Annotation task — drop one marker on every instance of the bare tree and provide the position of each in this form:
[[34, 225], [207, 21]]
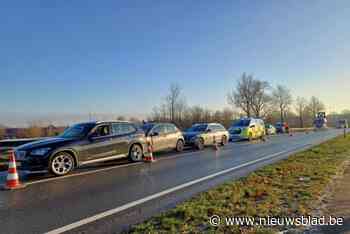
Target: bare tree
[[207, 115], [187, 119], [259, 97], [217, 116], [172, 109], [172, 100], [316, 105], [163, 112], [155, 115], [250, 95], [121, 118], [282, 98], [227, 117], [197, 114], [241, 95], [301, 109], [134, 120], [181, 107]]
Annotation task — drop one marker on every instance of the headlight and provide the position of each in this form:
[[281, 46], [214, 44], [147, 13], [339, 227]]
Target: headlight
[[40, 152]]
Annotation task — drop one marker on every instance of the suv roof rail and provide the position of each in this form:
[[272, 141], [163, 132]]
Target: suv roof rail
[[112, 121]]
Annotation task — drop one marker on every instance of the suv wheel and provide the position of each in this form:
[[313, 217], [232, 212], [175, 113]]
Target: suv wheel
[[199, 144], [136, 153], [224, 141], [250, 137], [179, 146], [61, 164]]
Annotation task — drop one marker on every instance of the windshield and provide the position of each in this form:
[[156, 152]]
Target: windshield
[[241, 123], [77, 131], [198, 128]]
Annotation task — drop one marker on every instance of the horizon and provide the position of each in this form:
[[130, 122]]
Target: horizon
[[71, 59]]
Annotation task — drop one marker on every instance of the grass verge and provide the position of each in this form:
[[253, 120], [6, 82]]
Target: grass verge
[[289, 188]]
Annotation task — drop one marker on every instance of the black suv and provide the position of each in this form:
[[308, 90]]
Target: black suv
[[82, 144]]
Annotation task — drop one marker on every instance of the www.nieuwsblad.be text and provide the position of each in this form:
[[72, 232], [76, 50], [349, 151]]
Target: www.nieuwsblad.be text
[[216, 221]]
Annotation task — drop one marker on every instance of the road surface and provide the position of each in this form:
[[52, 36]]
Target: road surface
[[109, 197]]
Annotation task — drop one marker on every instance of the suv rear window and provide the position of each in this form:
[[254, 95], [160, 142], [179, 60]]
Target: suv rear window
[[171, 128], [220, 127], [123, 128], [160, 129]]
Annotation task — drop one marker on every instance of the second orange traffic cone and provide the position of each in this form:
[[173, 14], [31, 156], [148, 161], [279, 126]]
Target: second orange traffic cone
[[12, 180], [149, 157]]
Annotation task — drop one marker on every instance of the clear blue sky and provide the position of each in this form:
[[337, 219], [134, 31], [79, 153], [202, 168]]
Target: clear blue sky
[[121, 56]]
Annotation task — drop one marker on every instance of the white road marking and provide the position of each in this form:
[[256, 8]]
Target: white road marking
[[162, 193]]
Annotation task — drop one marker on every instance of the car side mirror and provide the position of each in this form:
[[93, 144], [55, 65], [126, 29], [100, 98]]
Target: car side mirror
[[208, 130], [253, 126], [154, 134]]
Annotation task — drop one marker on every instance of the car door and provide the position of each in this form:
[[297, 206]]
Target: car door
[[171, 136], [253, 128], [222, 132], [122, 135], [210, 134], [218, 133], [158, 137], [262, 128], [99, 145]]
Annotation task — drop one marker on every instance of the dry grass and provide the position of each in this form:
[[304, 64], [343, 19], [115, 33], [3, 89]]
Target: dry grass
[[288, 188]]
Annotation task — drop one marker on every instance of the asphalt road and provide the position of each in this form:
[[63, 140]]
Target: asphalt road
[[107, 198]]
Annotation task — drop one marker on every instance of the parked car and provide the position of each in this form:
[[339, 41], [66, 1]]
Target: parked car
[[11, 143], [270, 129], [8, 145], [247, 129], [203, 134], [164, 136], [282, 127], [82, 144], [342, 123]]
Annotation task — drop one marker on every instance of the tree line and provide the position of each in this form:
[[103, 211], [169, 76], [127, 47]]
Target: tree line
[[250, 97]]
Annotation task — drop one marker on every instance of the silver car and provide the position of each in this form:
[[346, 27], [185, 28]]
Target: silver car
[[200, 135], [164, 136]]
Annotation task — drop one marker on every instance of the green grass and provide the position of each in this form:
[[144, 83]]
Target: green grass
[[289, 188]]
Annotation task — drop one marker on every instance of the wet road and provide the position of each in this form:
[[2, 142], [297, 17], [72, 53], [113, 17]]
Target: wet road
[[109, 197]]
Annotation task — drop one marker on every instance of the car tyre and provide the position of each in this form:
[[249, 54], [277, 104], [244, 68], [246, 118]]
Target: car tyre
[[199, 144], [250, 137], [136, 153], [180, 146], [61, 164], [224, 141]]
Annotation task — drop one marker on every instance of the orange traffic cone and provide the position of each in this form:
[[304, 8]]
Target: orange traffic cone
[[149, 157], [12, 181]]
